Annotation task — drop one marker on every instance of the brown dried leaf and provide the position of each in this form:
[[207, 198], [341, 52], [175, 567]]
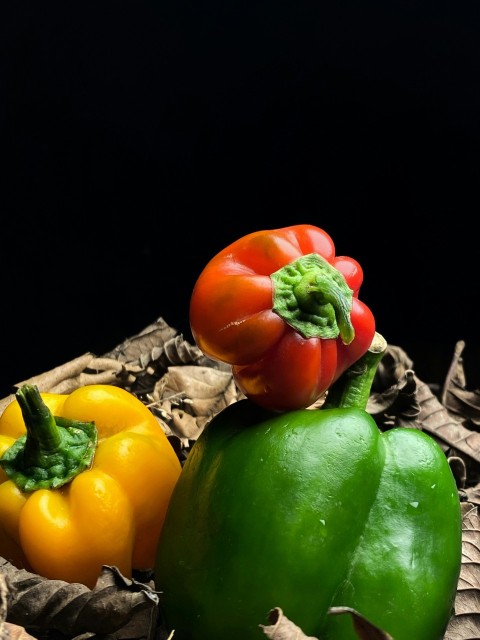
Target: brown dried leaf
[[469, 575], [86, 369], [448, 430], [281, 628], [186, 426], [472, 495], [3, 608], [465, 404], [456, 372], [9, 631], [3, 598], [196, 382], [466, 618], [363, 627], [397, 405], [392, 368], [156, 348], [179, 351], [15, 632], [463, 628], [145, 346], [459, 470], [456, 397], [115, 604], [188, 396]]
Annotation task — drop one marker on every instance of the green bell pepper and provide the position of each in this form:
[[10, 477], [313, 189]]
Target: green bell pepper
[[306, 510]]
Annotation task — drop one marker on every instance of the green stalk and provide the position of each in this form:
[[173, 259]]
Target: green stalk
[[314, 298], [53, 451], [353, 387]]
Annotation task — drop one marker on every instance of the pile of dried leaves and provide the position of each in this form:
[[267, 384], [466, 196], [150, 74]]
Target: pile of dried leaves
[[184, 390]]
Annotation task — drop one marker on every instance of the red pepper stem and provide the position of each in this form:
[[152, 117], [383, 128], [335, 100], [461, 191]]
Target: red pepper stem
[[53, 451], [314, 298], [353, 387], [316, 290]]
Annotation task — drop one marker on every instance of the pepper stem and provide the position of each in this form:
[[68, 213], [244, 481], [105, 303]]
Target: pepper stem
[[353, 387], [42, 431], [314, 298], [53, 451]]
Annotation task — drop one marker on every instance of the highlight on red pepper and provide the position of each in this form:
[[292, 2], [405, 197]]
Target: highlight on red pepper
[[283, 310]]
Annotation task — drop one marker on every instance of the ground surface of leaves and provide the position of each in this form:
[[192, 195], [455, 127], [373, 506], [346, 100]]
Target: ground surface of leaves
[[184, 390]]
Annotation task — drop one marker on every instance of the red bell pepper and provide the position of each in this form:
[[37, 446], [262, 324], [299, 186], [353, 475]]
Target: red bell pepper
[[283, 310]]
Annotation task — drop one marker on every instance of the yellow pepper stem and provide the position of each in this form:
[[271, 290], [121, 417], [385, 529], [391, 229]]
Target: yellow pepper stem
[[53, 451]]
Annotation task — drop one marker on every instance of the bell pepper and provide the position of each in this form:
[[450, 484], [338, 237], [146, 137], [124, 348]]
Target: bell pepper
[[283, 310], [85, 480], [307, 510]]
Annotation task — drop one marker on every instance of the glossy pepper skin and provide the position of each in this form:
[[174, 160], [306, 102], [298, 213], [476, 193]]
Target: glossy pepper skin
[[307, 510], [283, 310], [64, 515]]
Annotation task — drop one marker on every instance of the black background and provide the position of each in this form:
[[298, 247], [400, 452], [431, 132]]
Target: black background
[[139, 138]]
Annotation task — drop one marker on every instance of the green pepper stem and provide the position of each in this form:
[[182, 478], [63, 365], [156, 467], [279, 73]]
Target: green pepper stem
[[353, 387], [53, 451]]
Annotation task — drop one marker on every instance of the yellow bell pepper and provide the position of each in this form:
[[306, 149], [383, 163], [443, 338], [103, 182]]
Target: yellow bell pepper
[[85, 481]]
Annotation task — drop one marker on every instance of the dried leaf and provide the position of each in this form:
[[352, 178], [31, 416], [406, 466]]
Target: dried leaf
[[463, 628], [196, 382], [186, 426], [449, 431], [145, 346], [472, 495], [3, 607], [157, 347], [179, 351], [15, 632], [456, 372], [392, 368], [87, 369], [184, 389], [51, 379], [397, 405], [459, 470], [363, 627], [466, 618], [281, 628], [465, 404], [72, 609], [188, 396], [9, 631], [469, 575], [456, 397]]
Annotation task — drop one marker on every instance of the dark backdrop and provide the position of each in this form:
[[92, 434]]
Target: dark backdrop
[[138, 138]]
